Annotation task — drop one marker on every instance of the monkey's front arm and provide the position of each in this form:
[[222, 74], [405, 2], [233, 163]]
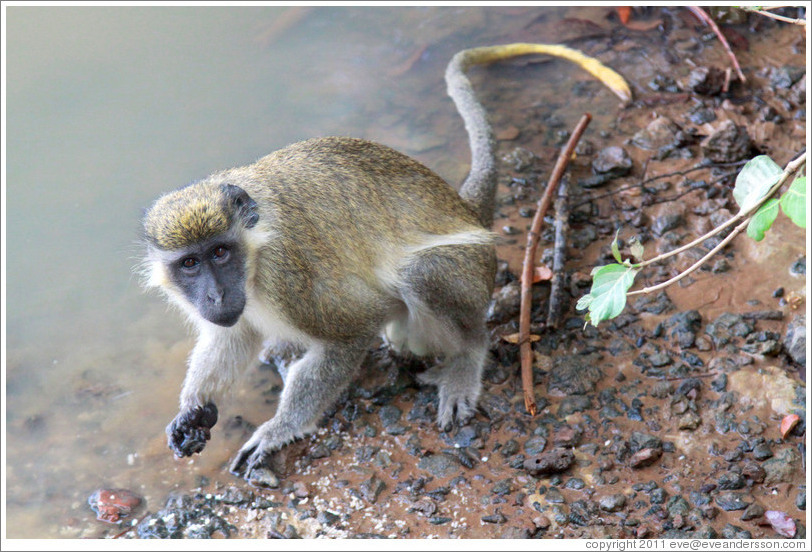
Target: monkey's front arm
[[313, 383], [218, 356]]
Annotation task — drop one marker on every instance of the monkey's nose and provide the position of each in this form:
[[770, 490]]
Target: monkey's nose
[[215, 296]]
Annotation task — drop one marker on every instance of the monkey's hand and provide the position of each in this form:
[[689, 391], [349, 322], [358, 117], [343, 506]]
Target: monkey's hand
[[189, 431]]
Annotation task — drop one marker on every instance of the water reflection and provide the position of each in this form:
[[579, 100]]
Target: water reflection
[[108, 107]]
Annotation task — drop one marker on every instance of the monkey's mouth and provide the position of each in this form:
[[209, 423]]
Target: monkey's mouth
[[225, 317]]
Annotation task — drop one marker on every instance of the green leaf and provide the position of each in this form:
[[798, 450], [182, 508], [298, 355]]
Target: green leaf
[[616, 249], [607, 298], [763, 219], [793, 202], [755, 180], [636, 249]]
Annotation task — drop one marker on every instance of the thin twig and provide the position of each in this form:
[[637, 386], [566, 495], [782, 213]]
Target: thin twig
[[694, 266], [762, 11], [705, 18], [562, 214], [529, 262], [658, 177]]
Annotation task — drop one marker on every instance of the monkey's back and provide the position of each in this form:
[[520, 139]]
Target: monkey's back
[[345, 213], [337, 178]]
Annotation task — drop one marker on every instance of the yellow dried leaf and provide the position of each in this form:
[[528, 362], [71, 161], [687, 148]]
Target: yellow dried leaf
[[607, 76], [514, 338]]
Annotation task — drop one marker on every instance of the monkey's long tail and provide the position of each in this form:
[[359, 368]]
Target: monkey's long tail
[[479, 188]]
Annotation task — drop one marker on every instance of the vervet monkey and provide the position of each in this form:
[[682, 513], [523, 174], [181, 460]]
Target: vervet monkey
[[325, 245]]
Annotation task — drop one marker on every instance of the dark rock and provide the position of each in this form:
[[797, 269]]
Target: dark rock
[[659, 133], [498, 517], [583, 237], [786, 76], [566, 436], [699, 498], [701, 115], [520, 159], [753, 472], [552, 462], [719, 384], [535, 445], [704, 80], [465, 436], [753, 511], [657, 304], [510, 448], [503, 487], [263, 477], [465, 457], [439, 465], [731, 481], [327, 518], [372, 488], [729, 501], [571, 405], [575, 484], [706, 532], [798, 268], [780, 468], [762, 451], [614, 161], [515, 533], [658, 496], [554, 496], [439, 520], [425, 507], [390, 415], [365, 453], [574, 374], [640, 440], [595, 181], [731, 531], [612, 503], [677, 506], [795, 339], [645, 457], [319, 451], [726, 327], [800, 499], [727, 143]]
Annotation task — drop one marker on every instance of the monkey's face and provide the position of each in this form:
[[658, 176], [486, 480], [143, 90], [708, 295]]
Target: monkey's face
[[211, 275]]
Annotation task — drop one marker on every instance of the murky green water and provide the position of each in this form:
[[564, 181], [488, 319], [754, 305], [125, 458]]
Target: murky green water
[[107, 108]]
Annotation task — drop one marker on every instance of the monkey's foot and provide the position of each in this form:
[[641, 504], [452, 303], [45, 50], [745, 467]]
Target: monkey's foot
[[189, 431], [254, 461], [458, 397]]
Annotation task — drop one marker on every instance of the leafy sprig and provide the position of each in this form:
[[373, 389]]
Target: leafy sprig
[[759, 180]]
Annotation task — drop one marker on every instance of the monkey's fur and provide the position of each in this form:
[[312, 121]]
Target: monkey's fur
[[325, 245]]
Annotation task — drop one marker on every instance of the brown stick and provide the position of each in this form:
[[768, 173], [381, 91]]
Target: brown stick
[[529, 262], [705, 18]]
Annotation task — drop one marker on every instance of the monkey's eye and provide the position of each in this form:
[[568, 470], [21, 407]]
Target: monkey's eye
[[220, 253], [189, 262]]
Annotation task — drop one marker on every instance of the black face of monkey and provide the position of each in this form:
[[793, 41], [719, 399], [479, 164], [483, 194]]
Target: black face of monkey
[[212, 277]]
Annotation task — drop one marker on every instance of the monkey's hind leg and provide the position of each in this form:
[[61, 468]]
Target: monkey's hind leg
[[447, 293], [313, 383]]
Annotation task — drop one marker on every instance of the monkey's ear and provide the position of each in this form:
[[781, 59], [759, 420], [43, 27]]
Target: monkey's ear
[[244, 206]]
